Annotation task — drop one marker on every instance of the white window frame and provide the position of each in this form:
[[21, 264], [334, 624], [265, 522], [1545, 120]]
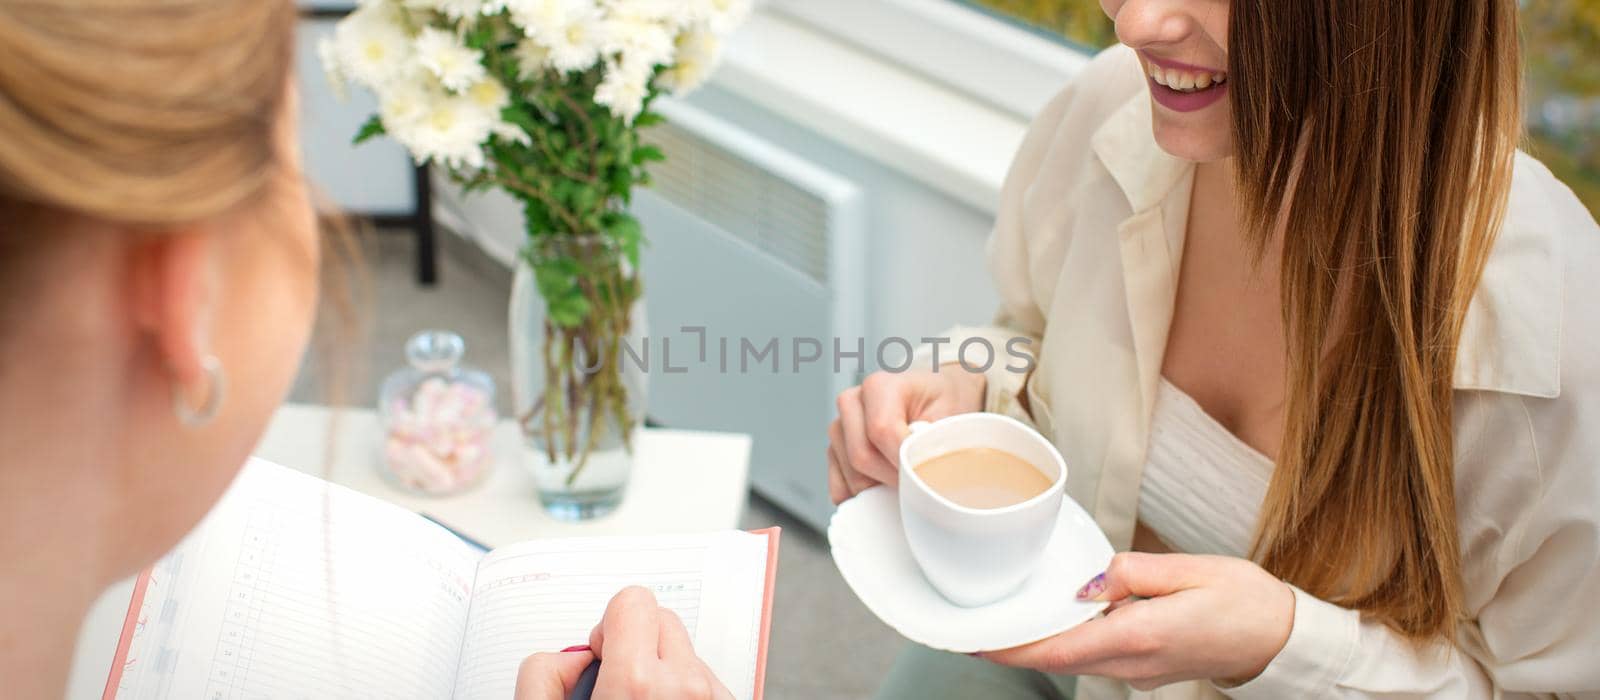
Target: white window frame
[[988, 58]]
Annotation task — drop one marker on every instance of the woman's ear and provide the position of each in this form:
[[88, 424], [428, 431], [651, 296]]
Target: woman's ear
[[172, 281]]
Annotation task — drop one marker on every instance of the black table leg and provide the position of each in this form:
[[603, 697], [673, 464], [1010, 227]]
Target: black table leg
[[427, 249]]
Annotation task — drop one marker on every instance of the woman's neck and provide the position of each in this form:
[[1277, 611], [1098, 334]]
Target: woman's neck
[[38, 633], [52, 574], [54, 512]]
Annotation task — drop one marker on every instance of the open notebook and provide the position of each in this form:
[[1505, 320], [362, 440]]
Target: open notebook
[[294, 587]]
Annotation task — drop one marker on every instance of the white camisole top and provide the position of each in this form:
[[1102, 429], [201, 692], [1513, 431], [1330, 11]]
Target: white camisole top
[[1203, 486]]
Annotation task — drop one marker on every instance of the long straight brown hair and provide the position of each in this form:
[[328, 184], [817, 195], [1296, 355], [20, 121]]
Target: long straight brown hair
[[1377, 138]]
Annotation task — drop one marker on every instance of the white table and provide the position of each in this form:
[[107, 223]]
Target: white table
[[682, 482]]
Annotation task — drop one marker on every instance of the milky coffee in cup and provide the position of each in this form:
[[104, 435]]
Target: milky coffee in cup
[[983, 477], [980, 494]]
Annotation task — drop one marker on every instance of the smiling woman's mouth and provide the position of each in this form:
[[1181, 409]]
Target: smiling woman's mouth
[[1184, 88], [1185, 80]]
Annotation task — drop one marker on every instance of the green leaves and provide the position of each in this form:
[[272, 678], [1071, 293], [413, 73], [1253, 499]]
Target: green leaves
[[481, 37], [371, 128], [557, 279], [519, 115], [574, 176], [567, 311], [625, 230], [648, 154], [581, 163]]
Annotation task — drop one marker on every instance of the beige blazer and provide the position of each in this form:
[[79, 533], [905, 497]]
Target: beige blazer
[[1085, 254]]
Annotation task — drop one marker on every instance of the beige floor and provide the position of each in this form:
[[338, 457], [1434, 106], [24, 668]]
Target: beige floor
[[824, 643]]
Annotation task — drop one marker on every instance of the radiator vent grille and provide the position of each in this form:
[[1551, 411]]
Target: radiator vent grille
[[770, 213]]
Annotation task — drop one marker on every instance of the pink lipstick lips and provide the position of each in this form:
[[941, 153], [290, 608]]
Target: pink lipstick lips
[[1182, 87]]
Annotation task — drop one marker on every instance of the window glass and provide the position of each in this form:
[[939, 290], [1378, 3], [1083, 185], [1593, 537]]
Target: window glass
[[1561, 40], [1562, 45], [1080, 22]]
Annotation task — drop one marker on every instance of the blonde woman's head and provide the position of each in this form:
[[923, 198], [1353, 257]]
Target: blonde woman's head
[[158, 255]]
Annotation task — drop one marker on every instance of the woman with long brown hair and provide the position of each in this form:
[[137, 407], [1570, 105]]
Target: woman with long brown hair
[[1318, 345], [158, 275]]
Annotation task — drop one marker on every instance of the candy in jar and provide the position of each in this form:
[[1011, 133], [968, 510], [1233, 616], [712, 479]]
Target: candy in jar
[[438, 416]]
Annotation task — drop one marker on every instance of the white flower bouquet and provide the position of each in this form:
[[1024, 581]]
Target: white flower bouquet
[[543, 99]]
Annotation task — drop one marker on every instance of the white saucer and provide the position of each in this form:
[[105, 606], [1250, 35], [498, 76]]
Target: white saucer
[[869, 547]]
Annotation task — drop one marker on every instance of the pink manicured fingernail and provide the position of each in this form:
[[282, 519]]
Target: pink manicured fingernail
[[1093, 588], [580, 647]]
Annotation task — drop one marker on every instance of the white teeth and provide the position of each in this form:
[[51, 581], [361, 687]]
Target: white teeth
[[1183, 80]]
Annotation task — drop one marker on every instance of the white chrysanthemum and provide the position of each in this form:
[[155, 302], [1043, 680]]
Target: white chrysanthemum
[[452, 131], [333, 67], [698, 51], [443, 54], [572, 30], [639, 39], [454, 9], [624, 88], [403, 103], [489, 94], [724, 15], [672, 14], [533, 59], [540, 17], [576, 46], [372, 44], [513, 133]]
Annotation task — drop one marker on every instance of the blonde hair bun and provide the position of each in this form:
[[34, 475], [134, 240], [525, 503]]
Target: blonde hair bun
[[146, 112]]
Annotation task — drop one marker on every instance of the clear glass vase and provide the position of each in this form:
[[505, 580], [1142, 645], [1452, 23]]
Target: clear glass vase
[[577, 324]]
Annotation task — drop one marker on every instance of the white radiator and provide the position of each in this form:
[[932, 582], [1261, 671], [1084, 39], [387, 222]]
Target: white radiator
[[753, 243]]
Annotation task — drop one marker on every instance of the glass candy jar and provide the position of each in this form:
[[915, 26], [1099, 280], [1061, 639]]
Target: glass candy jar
[[437, 417]]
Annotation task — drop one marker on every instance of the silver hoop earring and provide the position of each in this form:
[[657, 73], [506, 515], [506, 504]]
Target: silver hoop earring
[[193, 417]]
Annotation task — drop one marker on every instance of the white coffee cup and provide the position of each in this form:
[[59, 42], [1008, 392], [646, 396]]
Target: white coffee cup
[[976, 556]]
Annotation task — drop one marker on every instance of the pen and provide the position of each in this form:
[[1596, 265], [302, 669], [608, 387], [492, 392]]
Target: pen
[[584, 688], [455, 532]]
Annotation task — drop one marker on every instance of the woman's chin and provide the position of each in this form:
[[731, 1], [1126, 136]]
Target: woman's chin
[[1198, 140]]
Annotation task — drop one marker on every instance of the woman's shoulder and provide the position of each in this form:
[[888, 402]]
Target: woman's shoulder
[[1527, 429], [1539, 198], [1558, 242], [1531, 329]]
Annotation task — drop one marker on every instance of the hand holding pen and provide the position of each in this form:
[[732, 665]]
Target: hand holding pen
[[647, 654]]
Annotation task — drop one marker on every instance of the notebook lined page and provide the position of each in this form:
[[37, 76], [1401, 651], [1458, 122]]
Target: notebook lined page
[[294, 588], [545, 596]]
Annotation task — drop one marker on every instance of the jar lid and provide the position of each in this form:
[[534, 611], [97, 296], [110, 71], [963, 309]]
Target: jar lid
[[435, 350]]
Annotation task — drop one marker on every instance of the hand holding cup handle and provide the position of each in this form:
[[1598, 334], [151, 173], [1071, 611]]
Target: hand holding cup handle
[[864, 441]]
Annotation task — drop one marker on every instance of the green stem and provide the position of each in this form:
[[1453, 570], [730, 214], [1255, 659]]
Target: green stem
[[593, 141], [551, 396], [565, 383], [550, 152], [510, 182], [569, 434]]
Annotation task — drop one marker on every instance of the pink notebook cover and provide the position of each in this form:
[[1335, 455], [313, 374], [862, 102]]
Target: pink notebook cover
[[772, 534], [131, 621]]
